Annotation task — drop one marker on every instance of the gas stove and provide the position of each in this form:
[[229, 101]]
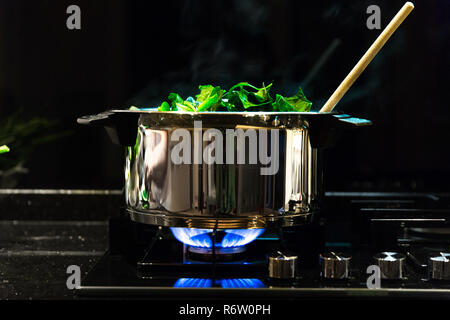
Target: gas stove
[[361, 245]]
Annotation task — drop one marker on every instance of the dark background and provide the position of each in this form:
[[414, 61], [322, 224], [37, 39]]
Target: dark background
[[136, 52]]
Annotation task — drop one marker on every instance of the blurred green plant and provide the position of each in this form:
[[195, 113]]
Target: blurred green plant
[[4, 149], [24, 135]]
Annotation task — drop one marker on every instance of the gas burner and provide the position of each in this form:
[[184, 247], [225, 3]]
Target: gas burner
[[216, 254], [226, 238], [219, 245]]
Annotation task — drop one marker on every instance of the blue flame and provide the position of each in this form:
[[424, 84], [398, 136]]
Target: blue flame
[[193, 283], [202, 237], [242, 283], [224, 283], [193, 237], [240, 237]]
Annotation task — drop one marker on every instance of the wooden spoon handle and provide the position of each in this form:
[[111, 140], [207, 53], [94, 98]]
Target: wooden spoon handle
[[367, 57]]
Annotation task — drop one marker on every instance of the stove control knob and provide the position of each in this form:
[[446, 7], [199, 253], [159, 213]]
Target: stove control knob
[[439, 266], [334, 265], [392, 265], [282, 265]]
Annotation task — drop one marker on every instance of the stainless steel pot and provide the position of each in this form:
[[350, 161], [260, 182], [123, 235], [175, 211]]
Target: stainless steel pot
[[235, 193]]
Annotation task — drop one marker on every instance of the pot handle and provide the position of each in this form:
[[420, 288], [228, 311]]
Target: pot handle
[[97, 119], [348, 120], [121, 128], [324, 133]]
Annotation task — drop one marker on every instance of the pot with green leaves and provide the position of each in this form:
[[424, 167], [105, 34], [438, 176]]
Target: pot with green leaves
[[234, 159]]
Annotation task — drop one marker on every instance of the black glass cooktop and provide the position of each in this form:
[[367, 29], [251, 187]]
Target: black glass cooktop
[[154, 264]]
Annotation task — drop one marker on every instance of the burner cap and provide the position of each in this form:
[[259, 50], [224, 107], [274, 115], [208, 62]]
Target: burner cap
[[220, 254]]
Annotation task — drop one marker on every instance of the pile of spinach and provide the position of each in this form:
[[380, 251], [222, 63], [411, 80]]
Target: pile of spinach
[[240, 97]]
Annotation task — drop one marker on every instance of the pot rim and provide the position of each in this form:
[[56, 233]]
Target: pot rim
[[256, 221], [257, 119]]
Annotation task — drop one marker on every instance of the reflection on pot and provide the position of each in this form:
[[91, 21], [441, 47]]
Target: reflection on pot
[[156, 185]]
